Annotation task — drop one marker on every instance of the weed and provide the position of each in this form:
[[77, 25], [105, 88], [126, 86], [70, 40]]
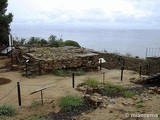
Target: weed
[[7, 110], [110, 88], [92, 82], [140, 104], [70, 102], [38, 117], [60, 73], [128, 94], [35, 103]]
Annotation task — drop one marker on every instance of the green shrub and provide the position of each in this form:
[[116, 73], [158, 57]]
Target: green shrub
[[70, 102], [140, 104], [128, 94], [7, 110], [60, 73], [35, 103], [38, 117], [71, 43], [110, 88], [92, 82]]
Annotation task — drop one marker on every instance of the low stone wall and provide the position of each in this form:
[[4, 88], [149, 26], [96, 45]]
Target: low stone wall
[[114, 61]]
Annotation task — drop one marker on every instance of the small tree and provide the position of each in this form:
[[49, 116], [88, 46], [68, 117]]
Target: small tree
[[71, 43], [5, 21]]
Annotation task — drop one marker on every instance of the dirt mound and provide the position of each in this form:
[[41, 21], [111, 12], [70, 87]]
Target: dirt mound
[[4, 81]]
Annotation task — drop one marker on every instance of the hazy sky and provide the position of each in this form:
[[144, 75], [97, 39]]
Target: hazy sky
[[86, 13]]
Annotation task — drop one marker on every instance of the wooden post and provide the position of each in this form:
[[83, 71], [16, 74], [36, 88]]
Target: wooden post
[[140, 71], [26, 66], [73, 79], [42, 97], [19, 93], [103, 77], [100, 65], [39, 66], [122, 68]]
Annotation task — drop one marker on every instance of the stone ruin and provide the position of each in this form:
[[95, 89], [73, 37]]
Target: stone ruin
[[46, 59]]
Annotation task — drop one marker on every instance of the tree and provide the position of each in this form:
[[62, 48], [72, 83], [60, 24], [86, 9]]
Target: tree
[[71, 43], [5, 21], [54, 42]]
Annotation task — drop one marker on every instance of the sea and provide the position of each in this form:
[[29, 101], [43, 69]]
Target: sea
[[121, 41]]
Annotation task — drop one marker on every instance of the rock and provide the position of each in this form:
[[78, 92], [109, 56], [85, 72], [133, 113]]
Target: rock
[[111, 108], [87, 95], [82, 118], [102, 105], [158, 91], [97, 94], [112, 101], [150, 91], [153, 88], [145, 99], [81, 89], [128, 102]]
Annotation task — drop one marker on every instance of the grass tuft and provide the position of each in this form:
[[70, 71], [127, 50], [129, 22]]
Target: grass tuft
[[70, 102], [128, 94], [7, 110], [92, 82], [35, 103]]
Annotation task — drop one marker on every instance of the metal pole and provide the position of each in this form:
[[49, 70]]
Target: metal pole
[[42, 97], [73, 79], [19, 93], [122, 68], [100, 65]]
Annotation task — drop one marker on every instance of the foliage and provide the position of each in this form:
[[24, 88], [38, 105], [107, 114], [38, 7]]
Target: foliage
[[5, 21], [71, 43], [70, 102], [38, 117], [110, 88], [64, 73], [140, 104], [128, 94], [37, 40], [92, 82], [7, 110], [54, 42], [60, 73], [35, 103]]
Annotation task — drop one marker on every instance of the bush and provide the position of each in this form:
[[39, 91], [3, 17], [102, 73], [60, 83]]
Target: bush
[[39, 117], [70, 102], [110, 88], [7, 110], [128, 94], [140, 104], [71, 43], [92, 82], [60, 73]]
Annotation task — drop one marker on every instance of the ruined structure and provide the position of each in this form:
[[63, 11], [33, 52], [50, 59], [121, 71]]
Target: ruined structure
[[44, 59]]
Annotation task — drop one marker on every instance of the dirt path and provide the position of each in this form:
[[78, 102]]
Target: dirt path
[[59, 86]]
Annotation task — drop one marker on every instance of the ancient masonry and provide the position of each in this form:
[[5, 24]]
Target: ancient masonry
[[49, 58]]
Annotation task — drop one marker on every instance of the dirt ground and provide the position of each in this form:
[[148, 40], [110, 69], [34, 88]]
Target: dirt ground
[[61, 86]]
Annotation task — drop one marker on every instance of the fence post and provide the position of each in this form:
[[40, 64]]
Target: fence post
[[19, 93], [42, 97], [73, 79], [140, 71], [100, 65], [26, 66], [122, 68]]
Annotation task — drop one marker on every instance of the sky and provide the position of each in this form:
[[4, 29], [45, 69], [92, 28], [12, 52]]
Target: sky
[[143, 14], [41, 17]]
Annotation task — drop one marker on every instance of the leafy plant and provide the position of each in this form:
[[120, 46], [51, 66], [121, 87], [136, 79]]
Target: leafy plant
[[71, 43], [140, 104], [38, 117], [92, 82], [35, 103], [70, 102], [7, 110], [128, 94], [110, 88], [60, 73]]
